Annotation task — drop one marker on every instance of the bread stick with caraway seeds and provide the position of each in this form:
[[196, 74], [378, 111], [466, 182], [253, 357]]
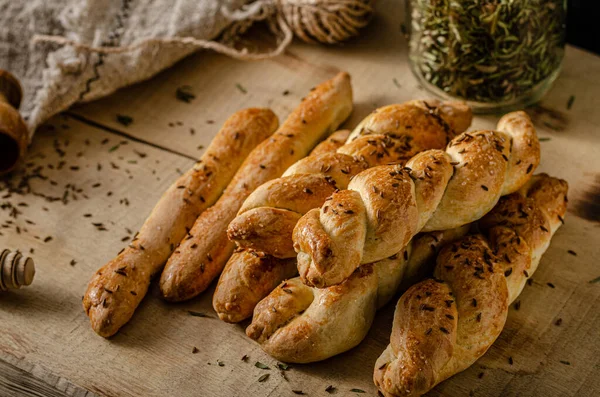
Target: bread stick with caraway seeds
[[443, 325], [391, 134], [117, 288], [250, 275], [205, 250], [385, 206]]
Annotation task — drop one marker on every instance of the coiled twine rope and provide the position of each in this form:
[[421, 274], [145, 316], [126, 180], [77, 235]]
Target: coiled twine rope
[[324, 21]]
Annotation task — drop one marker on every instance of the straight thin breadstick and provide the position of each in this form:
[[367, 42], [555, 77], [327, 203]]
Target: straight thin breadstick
[[116, 289], [385, 206], [250, 275], [202, 254], [443, 325]]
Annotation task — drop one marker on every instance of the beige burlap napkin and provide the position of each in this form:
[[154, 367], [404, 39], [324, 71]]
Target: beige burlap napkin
[[71, 51]]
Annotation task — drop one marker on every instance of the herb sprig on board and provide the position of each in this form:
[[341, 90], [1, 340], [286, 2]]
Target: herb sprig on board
[[487, 51]]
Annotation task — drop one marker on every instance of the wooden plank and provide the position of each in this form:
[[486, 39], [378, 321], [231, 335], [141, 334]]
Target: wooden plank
[[44, 331], [34, 381]]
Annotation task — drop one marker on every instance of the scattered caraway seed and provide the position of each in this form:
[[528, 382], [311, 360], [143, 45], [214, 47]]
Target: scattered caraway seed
[[198, 314], [260, 365], [330, 389], [263, 377], [195, 350], [286, 92], [73, 262], [245, 358], [396, 83], [112, 149], [357, 391], [185, 94], [572, 252], [570, 102], [241, 88], [550, 285], [544, 139], [299, 392], [220, 363], [510, 360], [124, 120], [283, 367], [596, 280], [565, 362], [558, 322]]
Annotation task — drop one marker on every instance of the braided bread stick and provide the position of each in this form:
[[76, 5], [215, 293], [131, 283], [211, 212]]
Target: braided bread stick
[[250, 275], [385, 206], [300, 324], [202, 254], [443, 325], [266, 221], [116, 289], [392, 134]]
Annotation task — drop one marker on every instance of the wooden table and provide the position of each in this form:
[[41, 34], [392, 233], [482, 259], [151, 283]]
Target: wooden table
[[105, 175]]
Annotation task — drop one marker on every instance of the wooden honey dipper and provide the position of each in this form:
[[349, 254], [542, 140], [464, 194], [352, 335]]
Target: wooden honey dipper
[[13, 130], [16, 270]]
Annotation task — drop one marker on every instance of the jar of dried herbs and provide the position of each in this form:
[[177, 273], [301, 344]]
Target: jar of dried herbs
[[498, 55]]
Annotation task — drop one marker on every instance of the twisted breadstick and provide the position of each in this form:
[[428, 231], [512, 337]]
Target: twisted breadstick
[[116, 289], [442, 326], [386, 206], [300, 324], [201, 256], [390, 134]]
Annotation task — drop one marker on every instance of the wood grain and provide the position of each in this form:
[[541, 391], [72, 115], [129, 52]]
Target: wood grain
[[45, 336]]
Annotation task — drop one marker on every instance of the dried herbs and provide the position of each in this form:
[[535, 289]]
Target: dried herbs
[[124, 120], [241, 88], [492, 51], [184, 94], [260, 365], [263, 377]]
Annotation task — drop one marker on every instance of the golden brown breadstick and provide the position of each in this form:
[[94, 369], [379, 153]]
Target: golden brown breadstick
[[391, 134], [116, 289], [385, 206], [300, 324], [203, 253], [443, 325], [265, 222], [250, 275]]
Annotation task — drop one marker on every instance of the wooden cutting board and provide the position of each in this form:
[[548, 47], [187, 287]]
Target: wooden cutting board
[[88, 172]]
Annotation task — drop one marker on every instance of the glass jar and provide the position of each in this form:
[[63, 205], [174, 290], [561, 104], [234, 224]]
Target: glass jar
[[498, 55]]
